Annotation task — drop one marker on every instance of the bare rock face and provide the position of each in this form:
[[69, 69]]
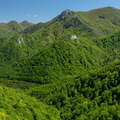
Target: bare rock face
[[72, 21], [69, 19], [67, 12]]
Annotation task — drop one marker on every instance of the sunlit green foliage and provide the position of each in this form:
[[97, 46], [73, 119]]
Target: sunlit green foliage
[[65, 69]]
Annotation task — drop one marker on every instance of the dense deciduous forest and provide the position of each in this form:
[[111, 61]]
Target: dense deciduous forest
[[64, 69]]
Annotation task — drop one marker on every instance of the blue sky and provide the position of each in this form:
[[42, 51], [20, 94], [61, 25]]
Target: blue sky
[[44, 10]]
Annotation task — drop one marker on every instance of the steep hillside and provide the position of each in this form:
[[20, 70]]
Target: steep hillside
[[103, 20], [15, 105], [66, 45], [89, 96], [64, 57], [67, 68], [111, 46]]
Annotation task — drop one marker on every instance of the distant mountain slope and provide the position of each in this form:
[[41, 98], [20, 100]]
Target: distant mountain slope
[[103, 20], [98, 22], [13, 27], [4, 29]]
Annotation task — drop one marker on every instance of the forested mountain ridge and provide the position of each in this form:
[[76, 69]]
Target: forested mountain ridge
[[99, 21], [13, 27], [68, 68]]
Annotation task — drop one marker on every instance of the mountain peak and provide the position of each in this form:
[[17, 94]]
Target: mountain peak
[[67, 12]]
